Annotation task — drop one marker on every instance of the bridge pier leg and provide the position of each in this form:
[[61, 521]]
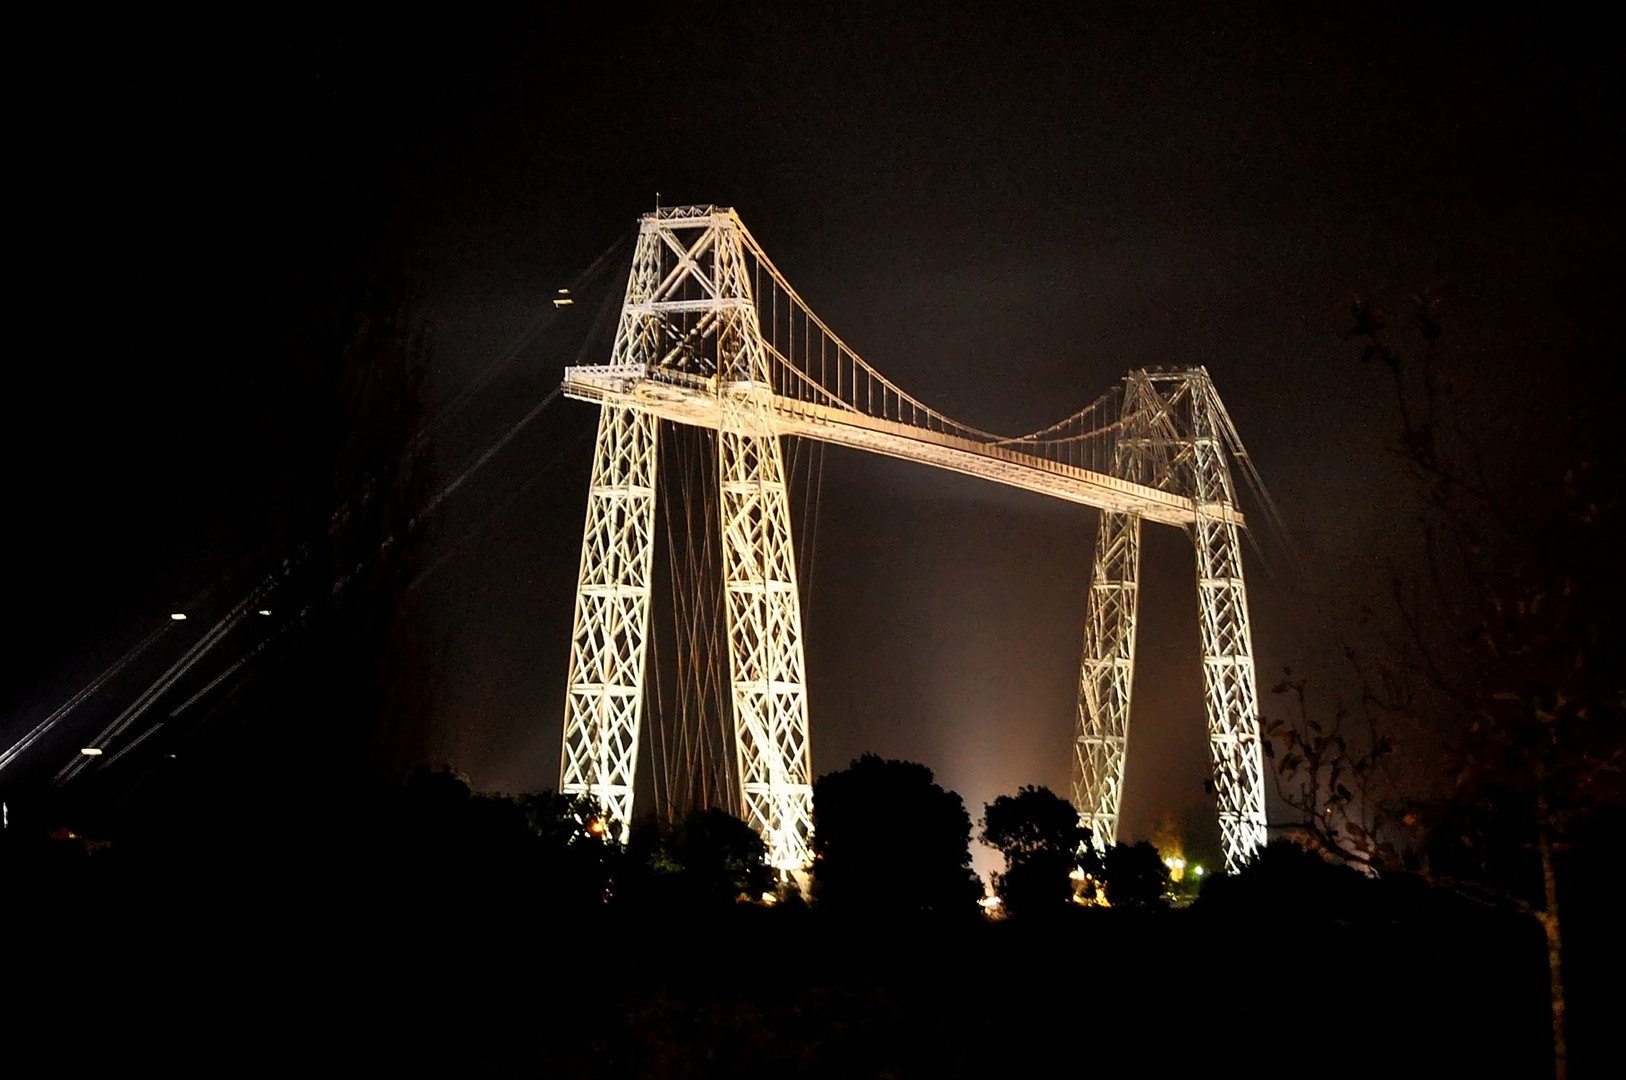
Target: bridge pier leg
[[604, 701], [765, 652], [1107, 675], [1228, 673]]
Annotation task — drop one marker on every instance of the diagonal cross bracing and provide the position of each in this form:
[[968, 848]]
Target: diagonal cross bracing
[[765, 637], [605, 700], [712, 335], [1106, 676], [1231, 693]]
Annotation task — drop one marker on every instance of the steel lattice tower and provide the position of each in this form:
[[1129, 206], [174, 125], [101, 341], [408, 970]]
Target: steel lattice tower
[[690, 317], [1172, 440], [711, 334]]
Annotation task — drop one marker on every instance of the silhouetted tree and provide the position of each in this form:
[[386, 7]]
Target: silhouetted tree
[[1289, 877], [447, 838], [708, 858], [1135, 875], [578, 855], [888, 839], [1512, 647], [1043, 842]]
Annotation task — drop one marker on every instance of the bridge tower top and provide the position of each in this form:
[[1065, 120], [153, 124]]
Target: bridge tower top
[[690, 308]]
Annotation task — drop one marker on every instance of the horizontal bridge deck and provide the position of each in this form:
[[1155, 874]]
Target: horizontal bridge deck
[[693, 400]]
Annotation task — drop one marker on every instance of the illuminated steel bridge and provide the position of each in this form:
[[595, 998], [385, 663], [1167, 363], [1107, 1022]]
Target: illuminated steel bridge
[[712, 335]]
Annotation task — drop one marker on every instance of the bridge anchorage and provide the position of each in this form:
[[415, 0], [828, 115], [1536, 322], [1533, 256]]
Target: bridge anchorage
[[711, 334]]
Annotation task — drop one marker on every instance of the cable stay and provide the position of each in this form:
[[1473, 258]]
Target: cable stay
[[713, 338], [200, 695], [491, 451], [1276, 524], [192, 656], [44, 726], [506, 356], [202, 648], [501, 361]]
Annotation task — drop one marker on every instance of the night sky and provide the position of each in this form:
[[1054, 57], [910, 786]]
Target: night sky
[[1002, 207]]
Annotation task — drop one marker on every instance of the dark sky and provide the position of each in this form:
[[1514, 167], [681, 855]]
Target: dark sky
[[1003, 207]]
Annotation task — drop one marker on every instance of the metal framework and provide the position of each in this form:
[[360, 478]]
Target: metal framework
[[689, 315], [1106, 675], [604, 704], [1174, 432], [711, 334]]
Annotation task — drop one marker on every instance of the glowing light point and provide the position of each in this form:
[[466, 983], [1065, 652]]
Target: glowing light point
[[178, 616], [563, 299], [265, 611], [1197, 870], [91, 751]]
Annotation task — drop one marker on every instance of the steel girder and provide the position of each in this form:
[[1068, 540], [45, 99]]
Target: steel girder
[[690, 322], [1231, 692], [604, 699], [1107, 676], [689, 312], [765, 649], [604, 702], [765, 652], [1171, 440]]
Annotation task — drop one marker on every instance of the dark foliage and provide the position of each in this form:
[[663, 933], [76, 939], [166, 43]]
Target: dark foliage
[[439, 835], [454, 914], [1039, 834], [1511, 653], [888, 839], [1287, 877], [710, 858], [1135, 875]]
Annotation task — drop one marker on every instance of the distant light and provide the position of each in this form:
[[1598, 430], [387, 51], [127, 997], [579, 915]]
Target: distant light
[[1197, 870], [177, 616], [563, 301], [91, 751], [265, 611], [1077, 874]]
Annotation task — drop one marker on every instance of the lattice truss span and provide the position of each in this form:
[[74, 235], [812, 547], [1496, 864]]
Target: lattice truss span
[[712, 335]]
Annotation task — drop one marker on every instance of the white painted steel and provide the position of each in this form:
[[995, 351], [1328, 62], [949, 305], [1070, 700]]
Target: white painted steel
[[1172, 438], [712, 335], [604, 703], [689, 317], [1106, 676]]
